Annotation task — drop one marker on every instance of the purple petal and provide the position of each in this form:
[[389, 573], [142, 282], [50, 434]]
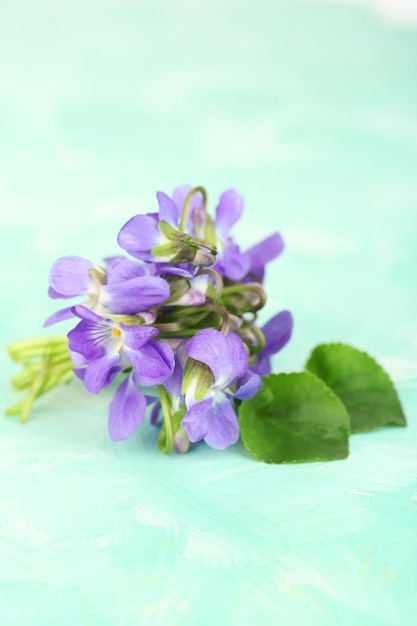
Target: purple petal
[[156, 419], [70, 276], [59, 316], [228, 211], [235, 264], [262, 367], [153, 363], [135, 337], [134, 295], [196, 420], [139, 235], [84, 313], [168, 210], [174, 383], [79, 372], [126, 410], [55, 295], [248, 386], [78, 359], [208, 346], [226, 356], [118, 268], [277, 333], [100, 373], [223, 426], [93, 339], [179, 195], [215, 422], [264, 252], [185, 269]]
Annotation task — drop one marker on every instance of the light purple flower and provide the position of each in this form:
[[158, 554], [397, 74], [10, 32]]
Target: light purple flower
[[231, 262], [161, 237], [262, 253], [277, 332], [213, 418], [101, 348], [126, 287]]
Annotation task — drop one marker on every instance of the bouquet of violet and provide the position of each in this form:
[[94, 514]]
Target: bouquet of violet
[[174, 323]]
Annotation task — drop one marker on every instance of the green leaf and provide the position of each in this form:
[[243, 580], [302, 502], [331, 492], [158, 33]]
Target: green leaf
[[293, 418], [168, 231], [165, 249], [360, 382], [177, 417]]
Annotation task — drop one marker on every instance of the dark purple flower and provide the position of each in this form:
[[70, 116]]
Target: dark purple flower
[[101, 348], [104, 347], [277, 332], [213, 417]]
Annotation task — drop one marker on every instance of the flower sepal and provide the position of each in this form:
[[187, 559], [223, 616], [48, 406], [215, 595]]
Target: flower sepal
[[197, 380]]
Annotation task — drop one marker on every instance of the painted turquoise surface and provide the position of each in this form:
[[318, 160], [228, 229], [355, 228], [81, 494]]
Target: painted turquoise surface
[[311, 111]]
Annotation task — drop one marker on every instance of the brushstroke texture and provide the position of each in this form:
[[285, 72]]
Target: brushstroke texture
[[310, 110]]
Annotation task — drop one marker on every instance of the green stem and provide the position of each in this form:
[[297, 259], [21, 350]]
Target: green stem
[[166, 436], [261, 340], [24, 379], [39, 385], [41, 342], [242, 287], [20, 380], [179, 312], [27, 349], [187, 205], [204, 244], [46, 364], [34, 390], [218, 308], [218, 281], [187, 332]]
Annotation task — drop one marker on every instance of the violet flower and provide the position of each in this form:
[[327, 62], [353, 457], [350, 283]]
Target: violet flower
[[100, 348], [221, 375], [231, 262], [188, 277], [160, 237], [125, 288]]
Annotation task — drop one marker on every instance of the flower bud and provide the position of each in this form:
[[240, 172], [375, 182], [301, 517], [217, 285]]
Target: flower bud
[[181, 441], [204, 258]]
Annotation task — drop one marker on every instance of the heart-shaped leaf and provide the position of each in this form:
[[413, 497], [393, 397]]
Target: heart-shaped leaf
[[360, 382], [293, 418]]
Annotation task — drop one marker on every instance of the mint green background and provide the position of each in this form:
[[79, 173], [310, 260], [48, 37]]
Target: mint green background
[[311, 112]]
